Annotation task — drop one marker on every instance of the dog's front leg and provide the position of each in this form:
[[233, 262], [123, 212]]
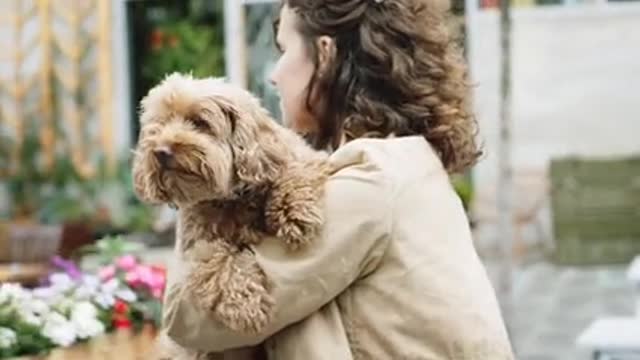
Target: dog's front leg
[[294, 206], [209, 261], [246, 304], [227, 281]]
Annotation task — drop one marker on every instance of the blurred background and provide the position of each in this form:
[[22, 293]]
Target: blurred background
[[554, 204]]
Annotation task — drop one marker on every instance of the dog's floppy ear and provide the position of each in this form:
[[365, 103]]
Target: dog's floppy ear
[[259, 155], [140, 183], [142, 170]]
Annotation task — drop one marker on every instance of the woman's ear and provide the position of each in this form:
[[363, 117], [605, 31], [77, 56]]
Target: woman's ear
[[326, 46]]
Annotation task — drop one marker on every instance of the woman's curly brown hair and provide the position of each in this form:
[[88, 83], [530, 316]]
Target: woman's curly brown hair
[[397, 71]]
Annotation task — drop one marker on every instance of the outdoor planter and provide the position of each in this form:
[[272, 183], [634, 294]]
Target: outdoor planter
[[28, 243]]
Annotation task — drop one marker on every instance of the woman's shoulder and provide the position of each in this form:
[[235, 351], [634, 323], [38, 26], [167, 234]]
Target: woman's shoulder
[[358, 184], [390, 163], [374, 171]]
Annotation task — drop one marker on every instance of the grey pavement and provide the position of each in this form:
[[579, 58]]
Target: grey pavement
[[553, 304]]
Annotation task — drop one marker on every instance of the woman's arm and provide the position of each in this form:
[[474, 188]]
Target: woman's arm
[[355, 236]]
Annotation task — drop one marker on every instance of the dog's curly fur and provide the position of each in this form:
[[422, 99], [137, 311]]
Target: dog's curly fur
[[209, 148]]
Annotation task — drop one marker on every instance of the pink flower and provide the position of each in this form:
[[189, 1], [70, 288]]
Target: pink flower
[[132, 278], [157, 293], [158, 282], [145, 274], [107, 273], [126, 262]]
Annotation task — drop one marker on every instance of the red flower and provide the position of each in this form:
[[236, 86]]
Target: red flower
[[121, 323], [156, 39], [120, 319], [120, 307]]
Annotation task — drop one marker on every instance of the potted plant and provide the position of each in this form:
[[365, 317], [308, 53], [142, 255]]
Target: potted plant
[[23, 238], [118, 210]]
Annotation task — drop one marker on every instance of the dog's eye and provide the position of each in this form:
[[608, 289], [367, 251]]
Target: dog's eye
[[198, 122]]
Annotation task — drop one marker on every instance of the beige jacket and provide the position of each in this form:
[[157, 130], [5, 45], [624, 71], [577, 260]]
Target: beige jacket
[[393, 276]]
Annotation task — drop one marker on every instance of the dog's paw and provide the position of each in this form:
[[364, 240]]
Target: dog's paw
[[246, 311], [298, 232], [294, 210], [205, 287], [208, 274], [295, 218], [232, 287], [246, 304]]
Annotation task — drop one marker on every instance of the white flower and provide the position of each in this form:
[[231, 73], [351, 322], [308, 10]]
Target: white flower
[[64, 305], [29, 317], [37, 306], [86, 327], [4, 296], [106, 294], [126, 295], [61, 282], [84, 309], [55, 318], [84, 292], [13, 292], [7, 338], [84, 318], [105, 301], [89, 287], [110, 286], [49, 295], [59, 330], [45, 292], [90, 281]]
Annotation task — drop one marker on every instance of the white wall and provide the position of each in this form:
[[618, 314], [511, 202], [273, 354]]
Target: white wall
[[576, 73]]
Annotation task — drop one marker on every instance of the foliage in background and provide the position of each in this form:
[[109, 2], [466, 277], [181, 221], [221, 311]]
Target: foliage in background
[[108, 249], [464, 188], [62, 195], [4, 154], [167, 36], [183, 46]]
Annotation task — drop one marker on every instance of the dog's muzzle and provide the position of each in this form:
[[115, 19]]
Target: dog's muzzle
[[165, 157]]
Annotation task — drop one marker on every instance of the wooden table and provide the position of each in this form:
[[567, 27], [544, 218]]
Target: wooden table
[[121, 345]]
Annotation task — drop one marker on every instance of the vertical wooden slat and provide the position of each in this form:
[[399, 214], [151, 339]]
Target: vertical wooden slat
[[105, 98], [18, 118], [60, 57], [47, 133], [73, 111]]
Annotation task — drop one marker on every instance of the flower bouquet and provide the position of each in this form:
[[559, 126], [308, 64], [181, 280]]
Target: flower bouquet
[[73, 305]]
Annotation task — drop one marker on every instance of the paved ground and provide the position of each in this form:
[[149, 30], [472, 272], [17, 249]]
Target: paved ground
[[554, 304]]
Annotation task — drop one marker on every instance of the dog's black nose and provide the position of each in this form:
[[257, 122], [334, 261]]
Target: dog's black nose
[[164, 155]]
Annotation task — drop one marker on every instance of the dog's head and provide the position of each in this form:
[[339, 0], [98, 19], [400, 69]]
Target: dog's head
[[201, 139]]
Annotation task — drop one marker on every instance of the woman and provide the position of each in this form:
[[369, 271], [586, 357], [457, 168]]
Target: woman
[[394, 275]]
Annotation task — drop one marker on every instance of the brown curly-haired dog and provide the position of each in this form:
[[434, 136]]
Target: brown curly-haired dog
[[236, 176]]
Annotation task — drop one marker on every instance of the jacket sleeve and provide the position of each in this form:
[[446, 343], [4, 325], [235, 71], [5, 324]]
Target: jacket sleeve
[[354, 237]]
